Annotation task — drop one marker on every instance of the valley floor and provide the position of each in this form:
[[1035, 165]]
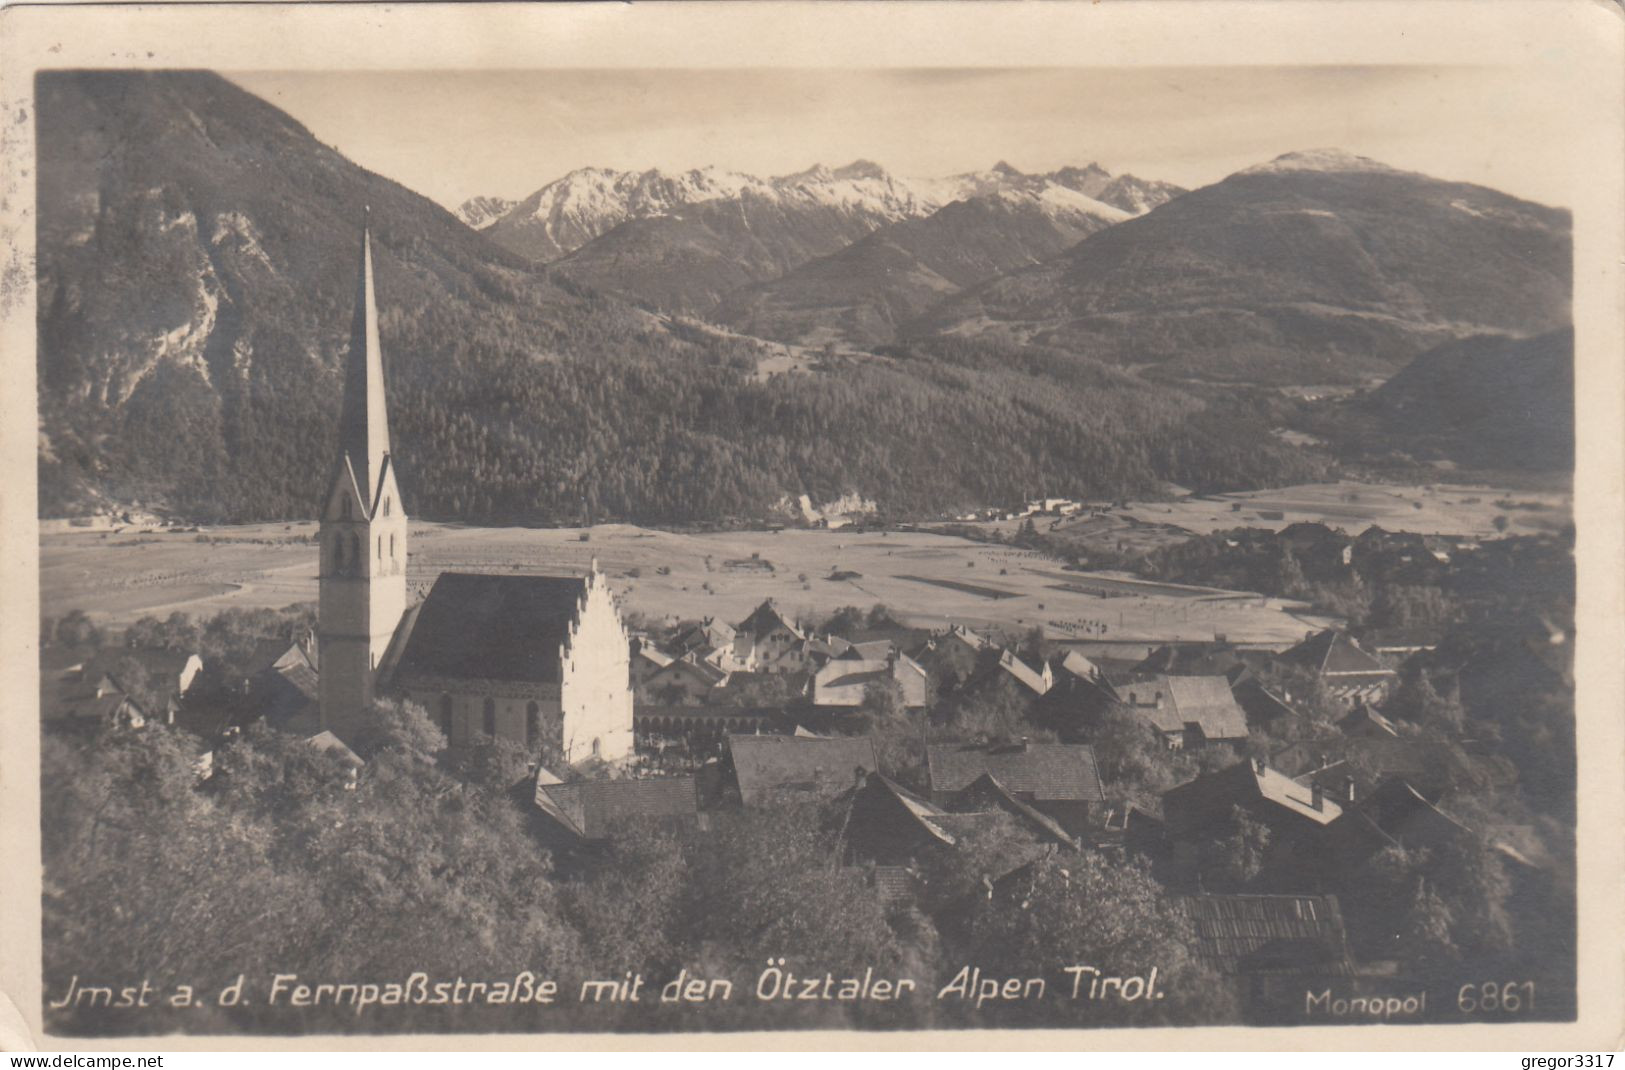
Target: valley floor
[[929, 580]]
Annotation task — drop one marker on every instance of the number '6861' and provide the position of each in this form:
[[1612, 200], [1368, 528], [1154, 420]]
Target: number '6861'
[[1492, 997]]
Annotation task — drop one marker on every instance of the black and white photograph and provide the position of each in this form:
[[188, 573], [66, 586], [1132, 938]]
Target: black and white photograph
[[880, 545]]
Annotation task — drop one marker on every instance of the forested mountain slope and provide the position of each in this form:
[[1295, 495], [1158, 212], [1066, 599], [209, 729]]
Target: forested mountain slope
[[197, 251], [1319, 267]]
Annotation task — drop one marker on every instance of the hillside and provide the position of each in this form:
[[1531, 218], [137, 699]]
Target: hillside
[[860, 294], [1486, 402], [1316, 268], [196, 257]]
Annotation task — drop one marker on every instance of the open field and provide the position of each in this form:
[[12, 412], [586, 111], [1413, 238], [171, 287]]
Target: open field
[[930, 580], [1432, 509]]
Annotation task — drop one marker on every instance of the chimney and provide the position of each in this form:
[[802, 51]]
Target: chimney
[[1348, 790], [1317, 798], [860, 777], [1258, 766]]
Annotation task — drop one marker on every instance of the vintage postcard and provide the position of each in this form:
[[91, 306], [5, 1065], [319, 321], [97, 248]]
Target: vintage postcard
[[853, 524]]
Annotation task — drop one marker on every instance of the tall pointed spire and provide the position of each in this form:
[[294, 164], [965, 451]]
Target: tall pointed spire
[[364, 420]]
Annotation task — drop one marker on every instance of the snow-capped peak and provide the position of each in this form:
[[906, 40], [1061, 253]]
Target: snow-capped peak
[[589, 201]]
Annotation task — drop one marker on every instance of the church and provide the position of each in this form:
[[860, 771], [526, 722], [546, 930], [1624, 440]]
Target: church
[[540, 660]]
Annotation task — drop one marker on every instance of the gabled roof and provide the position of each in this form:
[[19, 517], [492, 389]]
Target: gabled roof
[[1034, 680], [874, 650], [1210, 796], [768, 764], [1332, 653], [70, 702], [1208, 703], [1078, 665], [690, 665], [594, 809], [653, 654], [1364, 716], [331, 744], [1151, 699], [1252, 935], [163, 667], [986, 793], [1401, 812], [1190, 659], [764, 619], [1049, 772], [493, 627]]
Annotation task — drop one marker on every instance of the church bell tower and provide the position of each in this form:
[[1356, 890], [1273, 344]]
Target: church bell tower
[[363, 530]]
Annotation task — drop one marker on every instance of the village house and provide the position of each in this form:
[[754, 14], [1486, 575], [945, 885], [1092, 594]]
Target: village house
[[1345, 668], [586, 812], [1433, 766], [683, 681], [845, 681], [1060, 780], [646, 660], [1078, 698], [896, 833], [1395, 814], [703, 636], [1296, 814], [765, 768], [1268, 947], [161, 677], [1186, 711], [768, 641], [70, 702], [1035, 682]]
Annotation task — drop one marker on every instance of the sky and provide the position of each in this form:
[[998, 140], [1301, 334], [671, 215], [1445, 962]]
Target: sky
[[452, 135]]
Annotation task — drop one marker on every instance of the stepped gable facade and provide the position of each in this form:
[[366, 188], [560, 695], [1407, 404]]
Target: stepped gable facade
[[543, 661]]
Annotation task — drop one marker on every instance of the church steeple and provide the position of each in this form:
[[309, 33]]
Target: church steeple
[[363, 531], [364, 418]]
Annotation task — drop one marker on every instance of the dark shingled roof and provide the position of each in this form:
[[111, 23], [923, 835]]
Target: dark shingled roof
[[1049, 772], [765, 764], [595, 809], [1269, 934], [1332, 653], [493, 627]]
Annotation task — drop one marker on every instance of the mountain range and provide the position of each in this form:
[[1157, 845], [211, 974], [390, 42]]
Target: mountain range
[[950, 344], [680, 242]]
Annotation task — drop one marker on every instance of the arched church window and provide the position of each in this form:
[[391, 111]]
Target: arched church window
[[386, 505], [380, 547], [490, 717], [392, 544], [445, 716], [533, 723], [597, 749], [355, 551]]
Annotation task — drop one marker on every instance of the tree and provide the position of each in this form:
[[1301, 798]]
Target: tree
[[883, 704], [1233, 857], [77, 629], [1085, 908]]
